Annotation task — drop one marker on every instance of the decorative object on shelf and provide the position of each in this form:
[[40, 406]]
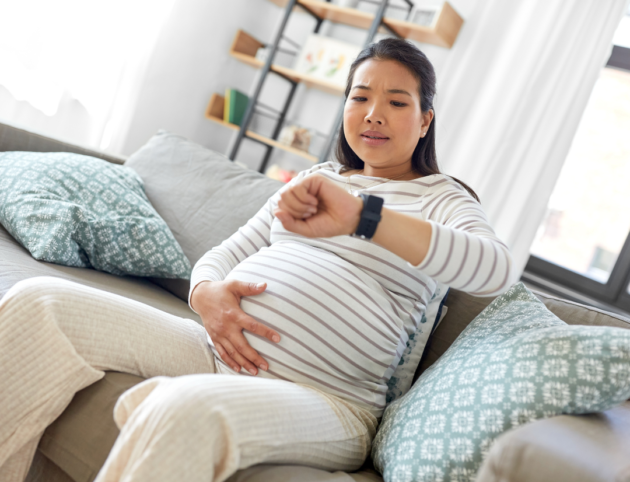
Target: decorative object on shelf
[[326, 58], [348, 3], [234, 106], [274, 172], [425, 15], [295, 136], [262, 53]]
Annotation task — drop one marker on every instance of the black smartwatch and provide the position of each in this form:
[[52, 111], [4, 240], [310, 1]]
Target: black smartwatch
[[370, 216]]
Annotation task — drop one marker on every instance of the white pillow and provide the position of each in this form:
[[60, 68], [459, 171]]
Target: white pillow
[[400, 381]]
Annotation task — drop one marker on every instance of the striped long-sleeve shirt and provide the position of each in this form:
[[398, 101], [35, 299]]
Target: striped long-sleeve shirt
[[344, 306]]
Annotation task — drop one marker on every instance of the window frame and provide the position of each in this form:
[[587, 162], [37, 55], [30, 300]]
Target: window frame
[[613, 293]]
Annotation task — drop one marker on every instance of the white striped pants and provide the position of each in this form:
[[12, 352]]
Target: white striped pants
[[187, 423]]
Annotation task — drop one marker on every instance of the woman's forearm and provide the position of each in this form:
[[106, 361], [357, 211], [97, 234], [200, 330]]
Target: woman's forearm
[[403, 235]]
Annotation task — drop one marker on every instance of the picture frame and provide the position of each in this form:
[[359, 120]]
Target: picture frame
[[326, 58], [425, 15]]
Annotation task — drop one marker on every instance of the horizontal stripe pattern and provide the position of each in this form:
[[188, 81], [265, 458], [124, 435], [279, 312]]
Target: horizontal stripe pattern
[[345, 307]]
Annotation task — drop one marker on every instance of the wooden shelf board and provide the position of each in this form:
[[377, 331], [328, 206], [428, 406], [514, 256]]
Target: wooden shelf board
[[222, 122], [284, 147], [308, 80], [336, 14], [248, 59], [443, 33]]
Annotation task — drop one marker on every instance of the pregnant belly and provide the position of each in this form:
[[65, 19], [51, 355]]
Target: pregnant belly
[[338, 330]]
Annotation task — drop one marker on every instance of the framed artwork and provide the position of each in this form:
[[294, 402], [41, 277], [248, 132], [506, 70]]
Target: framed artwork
[[425, 15], [326, 58]]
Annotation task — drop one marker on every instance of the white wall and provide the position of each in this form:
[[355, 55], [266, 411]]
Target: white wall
[[191, 61]]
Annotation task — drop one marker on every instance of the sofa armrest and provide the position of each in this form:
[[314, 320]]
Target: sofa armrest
[[567, 448], [15, 139]]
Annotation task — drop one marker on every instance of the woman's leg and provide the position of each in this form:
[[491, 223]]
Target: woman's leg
[[57, 337], [204, 428]]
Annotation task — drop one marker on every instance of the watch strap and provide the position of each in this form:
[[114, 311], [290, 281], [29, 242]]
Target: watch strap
[[370, 216]]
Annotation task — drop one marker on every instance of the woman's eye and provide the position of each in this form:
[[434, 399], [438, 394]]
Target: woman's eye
[[359, 99], [398, 104]]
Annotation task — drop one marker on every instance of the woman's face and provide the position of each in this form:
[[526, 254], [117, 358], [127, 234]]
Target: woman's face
[[382, 117]]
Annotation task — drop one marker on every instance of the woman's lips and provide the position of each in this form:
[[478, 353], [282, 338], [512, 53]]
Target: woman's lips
[[375, 139]]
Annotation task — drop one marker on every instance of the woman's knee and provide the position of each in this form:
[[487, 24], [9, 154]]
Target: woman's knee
[[31, 289], [28, 300], [186, 399]]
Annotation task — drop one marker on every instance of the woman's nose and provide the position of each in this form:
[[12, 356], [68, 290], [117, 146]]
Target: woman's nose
[[373, 117]]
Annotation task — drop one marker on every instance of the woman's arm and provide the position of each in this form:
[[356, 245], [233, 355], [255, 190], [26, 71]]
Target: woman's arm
[[455, 245]]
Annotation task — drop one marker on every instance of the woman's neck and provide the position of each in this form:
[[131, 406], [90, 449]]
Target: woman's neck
[[400, 173]]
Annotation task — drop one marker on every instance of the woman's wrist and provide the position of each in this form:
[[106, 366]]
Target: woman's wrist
[[403, 235], [197, 293]]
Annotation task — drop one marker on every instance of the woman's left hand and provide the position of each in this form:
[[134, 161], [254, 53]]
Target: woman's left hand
[[318, 208]]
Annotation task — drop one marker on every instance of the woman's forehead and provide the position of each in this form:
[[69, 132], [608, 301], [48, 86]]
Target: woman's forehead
[[384, 74]]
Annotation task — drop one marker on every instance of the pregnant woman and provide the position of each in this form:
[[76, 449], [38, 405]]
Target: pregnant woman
[[306, 309]]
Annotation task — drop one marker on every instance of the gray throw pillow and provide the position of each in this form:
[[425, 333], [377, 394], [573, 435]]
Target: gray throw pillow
[[203, 196], [81, 211], [514, 363]]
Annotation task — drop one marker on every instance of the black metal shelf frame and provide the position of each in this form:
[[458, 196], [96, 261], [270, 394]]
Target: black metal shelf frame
[[266, 69]]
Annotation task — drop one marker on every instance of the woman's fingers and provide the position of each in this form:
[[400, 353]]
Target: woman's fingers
[[301, 193], [298, 202], [251, 325], [291, 205], [252, 359], [234, 353], [225, 357]]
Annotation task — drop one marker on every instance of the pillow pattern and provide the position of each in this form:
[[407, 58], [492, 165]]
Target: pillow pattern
[[401, 380], [82, 211], [514, 363]]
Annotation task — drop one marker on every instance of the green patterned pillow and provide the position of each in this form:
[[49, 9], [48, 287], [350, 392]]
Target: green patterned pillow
[[514, 363], [85, 212]]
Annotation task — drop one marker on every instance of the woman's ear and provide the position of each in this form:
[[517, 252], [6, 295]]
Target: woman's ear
[[427, 118]]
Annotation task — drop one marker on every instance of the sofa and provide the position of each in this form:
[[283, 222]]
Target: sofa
[[586, 448]]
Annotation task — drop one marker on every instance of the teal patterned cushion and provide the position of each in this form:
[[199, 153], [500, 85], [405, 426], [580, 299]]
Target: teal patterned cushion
[[514, 363], [400, 382], [81, 211]]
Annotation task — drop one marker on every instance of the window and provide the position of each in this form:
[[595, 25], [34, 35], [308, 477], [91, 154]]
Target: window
[[582, 247]]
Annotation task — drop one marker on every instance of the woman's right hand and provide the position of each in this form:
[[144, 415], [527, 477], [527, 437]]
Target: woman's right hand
[[219, 305]]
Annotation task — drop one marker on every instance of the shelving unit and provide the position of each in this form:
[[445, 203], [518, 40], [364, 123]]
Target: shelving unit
[[443, 33]]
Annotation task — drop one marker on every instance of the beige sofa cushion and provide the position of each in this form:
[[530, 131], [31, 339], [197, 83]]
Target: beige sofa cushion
[[79, 441], [17, 264], [202, 196], [298, 473], [584, 448]]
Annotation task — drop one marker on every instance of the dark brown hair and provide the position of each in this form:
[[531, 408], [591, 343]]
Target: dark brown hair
[[424, 157]]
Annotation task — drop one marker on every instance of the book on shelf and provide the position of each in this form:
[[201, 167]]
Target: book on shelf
[[235, 106]]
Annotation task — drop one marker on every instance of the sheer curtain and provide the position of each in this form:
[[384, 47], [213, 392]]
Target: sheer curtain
[[510, 99], [72, 68]]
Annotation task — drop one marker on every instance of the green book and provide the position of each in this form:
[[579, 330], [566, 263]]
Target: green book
[[235, 106]]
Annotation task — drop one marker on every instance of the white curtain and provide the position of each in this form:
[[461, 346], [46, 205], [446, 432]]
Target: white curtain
[[71, 68], [510, 98]]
